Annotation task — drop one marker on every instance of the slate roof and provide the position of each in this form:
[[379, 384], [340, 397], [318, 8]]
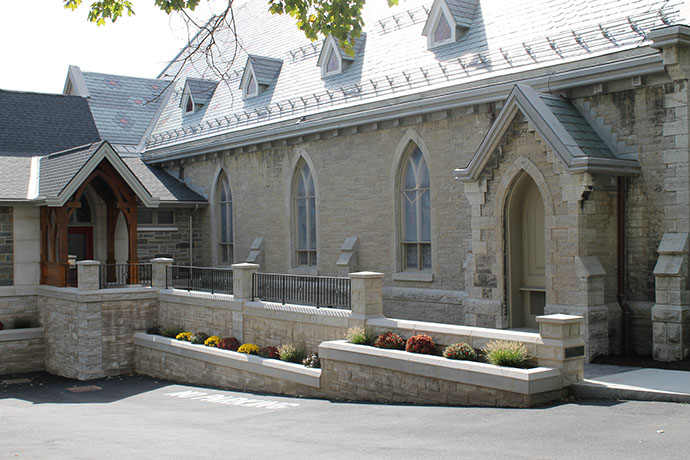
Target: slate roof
[[201, 90], [505, 37], [463, 11], [161, 184], [14, 180], [359, 44], [58, 169], [266, 69], [123, 107], [589, 142], [36, 124]]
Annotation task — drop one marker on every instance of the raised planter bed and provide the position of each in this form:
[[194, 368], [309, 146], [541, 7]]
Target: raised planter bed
[[254, 366]]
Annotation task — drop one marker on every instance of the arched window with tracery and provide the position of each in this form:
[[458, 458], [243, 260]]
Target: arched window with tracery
[[224, 213], [415, 191], [304, 209]]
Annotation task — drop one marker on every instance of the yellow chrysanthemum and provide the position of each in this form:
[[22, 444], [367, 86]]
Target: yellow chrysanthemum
[[184, 336], [249, 348]]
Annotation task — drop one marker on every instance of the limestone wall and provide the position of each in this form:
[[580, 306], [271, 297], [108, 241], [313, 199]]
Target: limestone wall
[[173, 240], [17, 302], [22, 350], [6, 247], [217, 314], [89, 334]]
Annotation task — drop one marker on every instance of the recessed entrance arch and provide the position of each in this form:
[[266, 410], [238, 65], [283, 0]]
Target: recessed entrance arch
[[525, 245]]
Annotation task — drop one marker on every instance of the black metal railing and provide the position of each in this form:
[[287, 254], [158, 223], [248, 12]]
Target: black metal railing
[[318, 291], [71, 279], [120, 275], [206, 279]]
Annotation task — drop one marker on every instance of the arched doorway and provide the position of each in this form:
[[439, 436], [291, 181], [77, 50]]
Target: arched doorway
[[525, 253]]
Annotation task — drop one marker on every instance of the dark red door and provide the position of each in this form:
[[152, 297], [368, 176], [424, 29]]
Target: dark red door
[[80, 242]]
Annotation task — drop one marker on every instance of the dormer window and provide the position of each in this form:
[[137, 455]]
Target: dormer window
[[333, 59], [196, 94], [448, 20], [442, 33], [259, 74]]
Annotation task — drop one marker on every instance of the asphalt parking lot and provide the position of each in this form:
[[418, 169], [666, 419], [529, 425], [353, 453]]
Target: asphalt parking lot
[[44, 416]]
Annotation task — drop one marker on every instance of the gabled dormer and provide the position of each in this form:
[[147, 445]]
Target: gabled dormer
[[448, 20], [259, 73], [196, 94], [333, 59]]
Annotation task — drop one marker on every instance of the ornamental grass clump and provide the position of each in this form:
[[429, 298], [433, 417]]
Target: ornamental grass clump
[[269, 352], [421, 343], [198, 338], [212, 341], [312, 361], [506, 353], [292, 353], [460, 351], [359, 335], [249, 349], [229, 343], [390, 340], [172, 332], [184, 336]]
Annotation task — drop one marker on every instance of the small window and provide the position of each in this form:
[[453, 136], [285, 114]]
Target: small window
[[442, 33], [224, 216], [252, 88], [155, 217], [190, 105], [333, 64], [144, 216], [165, 217]]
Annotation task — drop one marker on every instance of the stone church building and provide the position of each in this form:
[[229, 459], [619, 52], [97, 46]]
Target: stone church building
[[495, 161]]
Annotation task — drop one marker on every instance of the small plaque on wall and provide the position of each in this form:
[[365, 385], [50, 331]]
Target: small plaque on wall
[[574, 352]]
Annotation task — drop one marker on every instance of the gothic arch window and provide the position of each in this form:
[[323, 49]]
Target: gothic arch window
[[304, 211], [415, 212], [224, 213]]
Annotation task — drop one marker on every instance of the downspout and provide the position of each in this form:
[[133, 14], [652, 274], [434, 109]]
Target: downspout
[[621, 294], [191, 243]]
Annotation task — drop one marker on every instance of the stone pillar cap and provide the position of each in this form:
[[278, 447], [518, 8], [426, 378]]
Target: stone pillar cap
[[161, 260], [88, 262], [245, 265], [560, 319], [366, 275]]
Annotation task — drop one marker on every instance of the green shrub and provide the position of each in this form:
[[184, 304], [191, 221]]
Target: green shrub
[[23, 322], [360, 336], [249, 349], [292, 353], [506, 353], [172, 331], [312, 361], [2, 326], [229, 343], [460, 351], [212, 341], [390, 340], [269, 352], [198, 338], [421, 343], [154, 330]]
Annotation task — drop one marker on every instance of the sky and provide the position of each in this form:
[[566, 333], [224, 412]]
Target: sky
[[40, 40]]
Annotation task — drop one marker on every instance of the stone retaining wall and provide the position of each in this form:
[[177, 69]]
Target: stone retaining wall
[[88, 334], [215, 314], [17, 302], [21, 350]]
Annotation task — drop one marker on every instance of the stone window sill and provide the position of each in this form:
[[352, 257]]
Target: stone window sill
[[309, 271], [424, 277], [156, 229]]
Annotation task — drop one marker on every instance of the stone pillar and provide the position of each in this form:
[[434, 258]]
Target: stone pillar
[[159, 269], [561, 346], [87, 275], [367, 296], [671, 313], [242, 280]]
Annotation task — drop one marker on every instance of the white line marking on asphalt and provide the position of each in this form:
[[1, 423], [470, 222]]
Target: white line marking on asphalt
[[231, 400]]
